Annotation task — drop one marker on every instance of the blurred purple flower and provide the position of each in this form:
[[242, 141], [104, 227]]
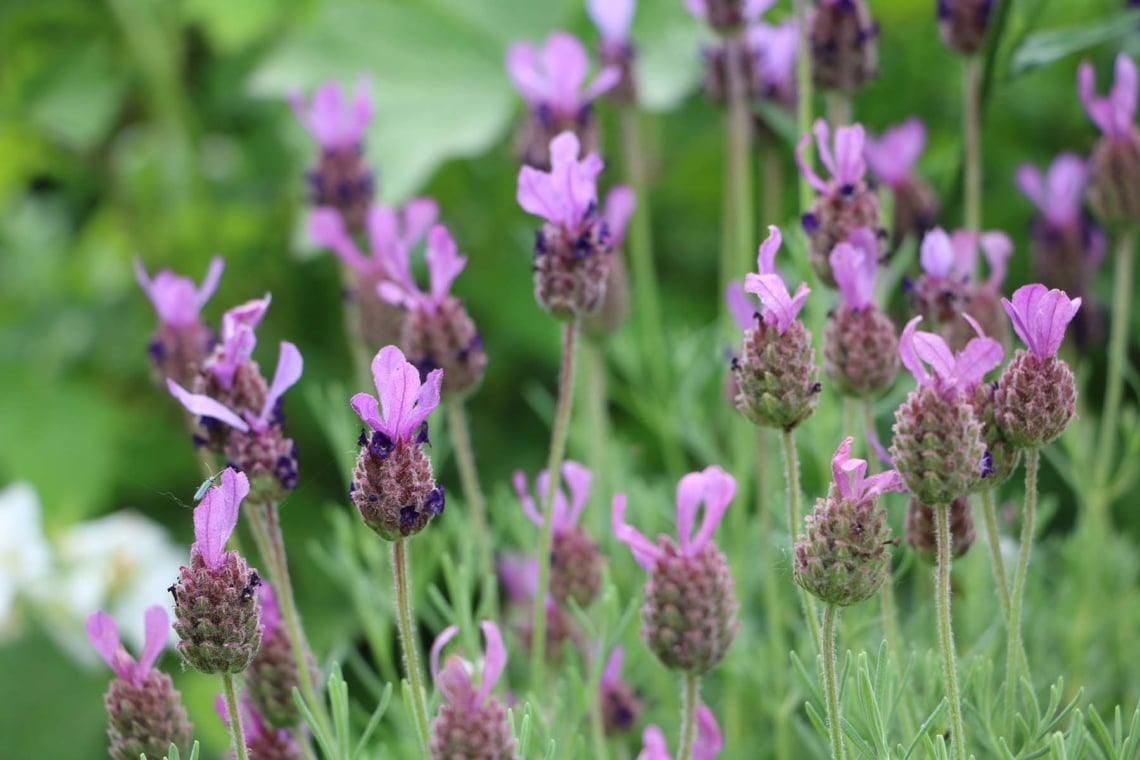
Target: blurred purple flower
[[104, 635], [566, 195], [743, 308], [392, 233], [1115, 113], [846, 164], [613, 18], [617, 211], [454, 679], [553, 77], [1040, 317], [706, 746], [444, 265], [893, 155], [566, 512], [331, 118], [773, 49], [175, 298], [1060, 193], [855, 264]]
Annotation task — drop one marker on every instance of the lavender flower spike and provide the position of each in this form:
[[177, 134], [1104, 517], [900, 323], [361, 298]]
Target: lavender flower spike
[[404, 403], [553, 76], [1040, 317], [1115, 113], [780, 308], [846, 165], [566, 512], [893, 155], [855, 265], [175, 298], [444, 265], [104, 635], [336, 122], [951, 374], [1059, 194]]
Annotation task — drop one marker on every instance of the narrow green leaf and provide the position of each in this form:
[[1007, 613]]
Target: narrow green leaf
[[1043, 48]]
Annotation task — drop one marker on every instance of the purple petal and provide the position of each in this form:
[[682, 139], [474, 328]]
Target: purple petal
[[368, 409], [979, 356], [611, 674], [270, 610], [578, 480], [327, 229], [742, 308], [519, 576], [289, 367], [1029, 182], [565, 63], [519, 481], [997, 248], [847, 266], [445, 636], [398, 295], [204, 406], [1064, 190], [766, 260], [823, 145], [645, 552], [849, 155], [1099, 109], [709, 741], [813, 179], [419, 214], [909, 356], [613, 18], [216, 517], [893, 156], [444, 262], [936, 255], [838, 472], [717, 488], [522, 68], [653, 744], [536, 195], [932, 349], [877, 485], [964, 244], [398, 385], [494, 661], [156, 633], [1123, 96], [104, 636], [780, 309], [426, 400], [210, 281], [619, 206]]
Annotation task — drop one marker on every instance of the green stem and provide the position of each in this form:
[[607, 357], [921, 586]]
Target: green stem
[[737, 255], [554, 467], [792, 497], [989, 515], [1015, 645], [831, 682], [869, 430], [266, 529], [690, 697], [804, 94], [406, 623], [598, 731], [237, 733], [972, 130], [772, 182], [838, 108], [598, 431], [1100, 503], [946, 631], [849, 415], [472, 492]]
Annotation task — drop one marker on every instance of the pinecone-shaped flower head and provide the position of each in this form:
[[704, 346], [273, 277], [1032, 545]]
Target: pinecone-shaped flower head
[[144, 711], [1037, 394], [470, 723], [552, 80], [689, 616], [438, 333], [937, 447], [182, 342], [572, 251], [921, 530], [844, 201], [842, 556], [614, 19], [1066, 247], [251, 437], [860, 347], [392, 234], [962, 24], [728, 16], [618, 210], [891, 158], [707, 744], [575, 562], [272, 675], [776, 375], [216, 607], [1114, 168], [341, 179], [263, 741], [1003, 456], [392, 483], [620, 705], [844, 45]]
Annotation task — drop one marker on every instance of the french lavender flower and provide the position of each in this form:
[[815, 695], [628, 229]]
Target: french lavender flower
[[962, 24], [1037, 394], [737, 42], [341, 179], [938, 448], [728, 16], [216, 607], [776, 373], [616, 213], [572, 251], [552, 80], [1114, 167], [689, 616], [518, 575], [614, 18], [706, 745], [844, 202], [891, 158], [272, 676], [144, 711], [263, 741], [392, 233], [1065, 246], [237, 414], [983, 297], [392, 483], [774, 49], [471, 722], [860, 345], [841, 557], [921, 533], [619, 704], [438, 332], [575, 562], [844, 45], [182, 342]]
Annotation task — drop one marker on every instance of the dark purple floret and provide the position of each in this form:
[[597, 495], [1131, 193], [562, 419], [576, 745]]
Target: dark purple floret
[[422, 434], [847, 191], [407, 516], [157, 351], [435, 501], [381, 445], [286, 472], [810, 222], [363, 439], [539, 244], [425, 365], [987, 464]]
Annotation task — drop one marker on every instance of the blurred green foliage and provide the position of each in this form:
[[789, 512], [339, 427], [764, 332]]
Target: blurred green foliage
[[158, 128]]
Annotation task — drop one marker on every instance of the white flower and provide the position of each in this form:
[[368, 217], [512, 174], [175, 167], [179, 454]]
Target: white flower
[[25, 557]]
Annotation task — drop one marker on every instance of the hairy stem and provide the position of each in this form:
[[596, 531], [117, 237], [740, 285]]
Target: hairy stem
[[472, 492], [237, 733], [946, 632], [546, 537], [1015, 645], [792, 497], [972, 131], [804, 92], [690, 697], [870, 430], [406, 624], [989, 515], [738, 167], [831, 682]]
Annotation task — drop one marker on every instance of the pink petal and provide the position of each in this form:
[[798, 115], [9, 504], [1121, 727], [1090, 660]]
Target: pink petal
[[366, 406], [529, 509], [613, 18], [645, 552], [289, 367], [654, 746], [823, 145], [813, 179], [397, 295], [847, 266], [611, 674], [607, 79], [536, 195], [932, 349], [445, 636], [142, 277], [719, 488], [742, 308], [426, 401], [216, 517], [270, 610], [979, 356], [565, 63], [1123, 95], [997, 248], [156, 632], [361, 115], [1029, 182], [699, 8], [838, 472], [204, 406], [936, 255], [893, 156], [104, 636], [1098, 108], [398, 385], [443, 260], [849, 155], [522, 68], [327, 229], [419, 216], [578, 480], [876, 485], [494, 661], [709, 741], [1065, 189], [779, 308], [766, 259], [619, 207], [909, 356], [210, 282]]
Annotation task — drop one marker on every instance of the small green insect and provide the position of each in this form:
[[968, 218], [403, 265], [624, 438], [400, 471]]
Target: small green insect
[[210, 481]]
